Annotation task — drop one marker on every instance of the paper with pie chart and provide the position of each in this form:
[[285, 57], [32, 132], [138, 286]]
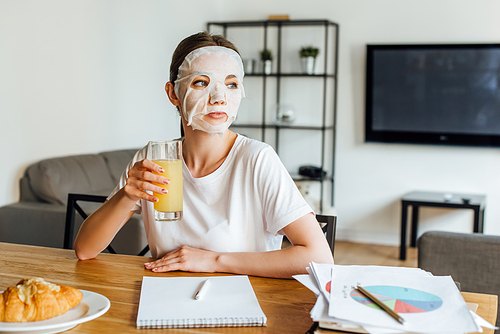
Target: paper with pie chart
[[399, 299], [423, 301], [323, 273]]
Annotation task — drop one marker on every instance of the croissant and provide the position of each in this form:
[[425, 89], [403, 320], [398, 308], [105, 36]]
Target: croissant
[[33, 299]]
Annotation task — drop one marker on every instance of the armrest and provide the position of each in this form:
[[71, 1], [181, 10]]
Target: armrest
[[32, 223]]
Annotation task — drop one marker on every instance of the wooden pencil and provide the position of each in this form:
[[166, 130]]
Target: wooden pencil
[[382, 305]]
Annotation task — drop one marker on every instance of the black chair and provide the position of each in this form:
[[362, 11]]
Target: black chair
[[73, 206], [329, 227], [328, 223]]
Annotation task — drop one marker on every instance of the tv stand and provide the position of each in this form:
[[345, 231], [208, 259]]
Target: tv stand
[[437, 199]]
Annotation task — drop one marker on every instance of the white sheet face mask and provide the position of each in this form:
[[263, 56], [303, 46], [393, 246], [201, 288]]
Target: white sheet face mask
[[210, 80]]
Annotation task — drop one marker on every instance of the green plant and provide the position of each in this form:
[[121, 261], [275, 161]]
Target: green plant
[[266, 55], [308, 51]]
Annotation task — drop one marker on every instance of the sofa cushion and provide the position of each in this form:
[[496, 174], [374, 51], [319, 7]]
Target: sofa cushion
[[51, 180], [117, 161]]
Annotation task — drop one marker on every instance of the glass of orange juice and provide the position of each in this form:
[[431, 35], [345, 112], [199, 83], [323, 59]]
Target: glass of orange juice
[[168, 155]]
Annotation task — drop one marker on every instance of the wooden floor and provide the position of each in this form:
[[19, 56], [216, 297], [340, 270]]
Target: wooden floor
[[347, 252], [368, 254]]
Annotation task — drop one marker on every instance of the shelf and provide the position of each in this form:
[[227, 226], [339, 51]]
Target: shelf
[[291, 75], [327, 77], [282, 126], [276, 23], [298, 178]]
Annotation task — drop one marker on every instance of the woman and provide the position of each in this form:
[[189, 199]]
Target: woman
[[239, 200]]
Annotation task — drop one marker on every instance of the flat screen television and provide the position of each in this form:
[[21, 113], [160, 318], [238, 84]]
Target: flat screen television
[[433, 94]]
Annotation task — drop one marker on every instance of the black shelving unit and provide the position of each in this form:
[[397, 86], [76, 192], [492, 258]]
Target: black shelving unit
[[329, 73]]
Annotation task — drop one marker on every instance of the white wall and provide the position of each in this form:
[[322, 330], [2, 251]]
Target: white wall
[[87, 76]]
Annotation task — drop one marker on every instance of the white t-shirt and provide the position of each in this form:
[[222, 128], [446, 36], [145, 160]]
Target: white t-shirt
[[240, 207]]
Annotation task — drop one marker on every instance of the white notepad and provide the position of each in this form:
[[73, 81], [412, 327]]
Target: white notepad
[[228, 301]]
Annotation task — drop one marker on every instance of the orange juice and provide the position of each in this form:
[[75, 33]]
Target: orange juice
[[171, 201]]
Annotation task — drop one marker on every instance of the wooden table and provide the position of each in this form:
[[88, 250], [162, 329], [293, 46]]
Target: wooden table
[[286, 303]]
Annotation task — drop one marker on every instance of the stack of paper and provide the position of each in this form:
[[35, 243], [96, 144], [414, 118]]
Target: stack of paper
[[428, 304]]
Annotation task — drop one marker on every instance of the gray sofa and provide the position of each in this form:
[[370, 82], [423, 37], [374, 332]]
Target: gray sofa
[[39, 216]]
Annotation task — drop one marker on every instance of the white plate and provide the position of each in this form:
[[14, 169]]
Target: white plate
[[92, 306]]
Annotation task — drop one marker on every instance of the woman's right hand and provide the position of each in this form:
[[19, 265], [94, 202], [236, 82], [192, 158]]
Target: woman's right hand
[[141, 178]]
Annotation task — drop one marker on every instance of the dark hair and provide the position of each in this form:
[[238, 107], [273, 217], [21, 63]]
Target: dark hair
[[193, 42]]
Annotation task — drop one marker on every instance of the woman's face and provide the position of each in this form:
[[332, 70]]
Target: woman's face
[[210, 88]]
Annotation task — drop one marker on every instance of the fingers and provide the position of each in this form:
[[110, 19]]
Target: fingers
[[147, 164], [145, 169], [142, 178], [186, 259], [147, 184], [137, 194], [170, 262]]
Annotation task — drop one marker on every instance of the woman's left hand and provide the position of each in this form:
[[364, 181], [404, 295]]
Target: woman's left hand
[[185, 258]]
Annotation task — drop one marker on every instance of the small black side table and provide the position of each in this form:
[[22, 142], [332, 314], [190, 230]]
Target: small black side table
[[434, 199]]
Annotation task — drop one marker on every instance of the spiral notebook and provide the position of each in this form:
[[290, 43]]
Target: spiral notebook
[[169, 302]]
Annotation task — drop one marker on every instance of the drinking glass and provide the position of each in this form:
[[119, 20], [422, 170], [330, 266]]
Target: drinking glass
[[168, 154]]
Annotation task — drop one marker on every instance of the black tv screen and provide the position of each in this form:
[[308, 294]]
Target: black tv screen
[[433, 94]]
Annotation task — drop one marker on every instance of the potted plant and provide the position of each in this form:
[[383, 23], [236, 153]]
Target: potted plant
[[266, 56], [308, 56], [285, 113]]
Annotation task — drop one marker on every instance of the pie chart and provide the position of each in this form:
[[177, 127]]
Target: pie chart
[[399, 299]]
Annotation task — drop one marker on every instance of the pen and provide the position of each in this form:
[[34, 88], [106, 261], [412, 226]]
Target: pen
[[382, 305], [201, 289]]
